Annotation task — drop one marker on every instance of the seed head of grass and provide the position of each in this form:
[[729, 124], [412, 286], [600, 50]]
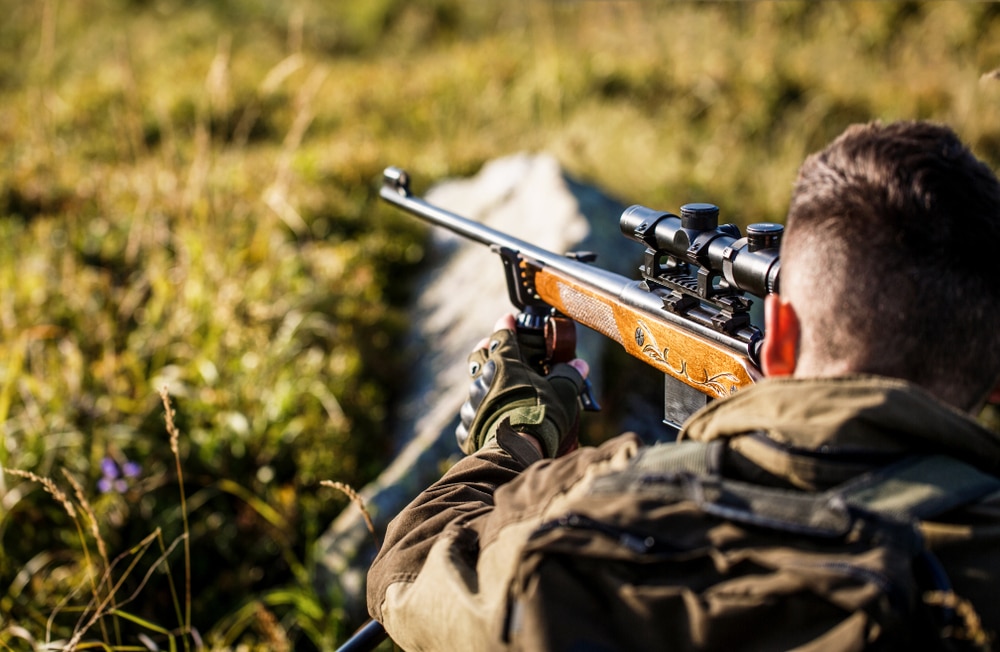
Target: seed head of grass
[[49, 487]]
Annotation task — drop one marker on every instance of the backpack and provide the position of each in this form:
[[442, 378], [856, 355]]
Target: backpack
[[670, 555]]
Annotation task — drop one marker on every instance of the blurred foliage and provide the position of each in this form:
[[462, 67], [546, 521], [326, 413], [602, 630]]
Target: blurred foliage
[[188, 199]]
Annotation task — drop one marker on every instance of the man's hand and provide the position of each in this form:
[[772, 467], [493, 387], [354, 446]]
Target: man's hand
[[506, 386]]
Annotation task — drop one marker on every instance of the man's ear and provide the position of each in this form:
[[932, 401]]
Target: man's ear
[[779, 353]]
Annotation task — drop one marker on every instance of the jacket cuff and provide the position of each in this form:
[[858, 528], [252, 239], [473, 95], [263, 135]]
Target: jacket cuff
[[515, 445]]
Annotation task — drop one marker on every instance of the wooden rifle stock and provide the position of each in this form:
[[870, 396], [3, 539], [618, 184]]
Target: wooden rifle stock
[[714, 368]]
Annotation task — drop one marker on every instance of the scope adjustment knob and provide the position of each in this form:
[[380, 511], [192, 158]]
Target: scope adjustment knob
[[699, 217], [764, 235]]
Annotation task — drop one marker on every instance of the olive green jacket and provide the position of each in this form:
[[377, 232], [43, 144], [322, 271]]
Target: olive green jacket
[[442, 578]]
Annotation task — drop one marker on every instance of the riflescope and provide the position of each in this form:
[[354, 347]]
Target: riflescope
[[698, 260]]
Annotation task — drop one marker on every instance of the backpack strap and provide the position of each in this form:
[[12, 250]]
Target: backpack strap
[[697, 457], [918, 487], [691, 471]]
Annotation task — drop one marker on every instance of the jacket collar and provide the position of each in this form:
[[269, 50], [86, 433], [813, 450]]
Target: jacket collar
[[798, 427]]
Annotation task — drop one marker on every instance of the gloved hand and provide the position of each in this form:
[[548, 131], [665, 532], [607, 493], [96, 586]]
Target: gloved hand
[[505, 386]]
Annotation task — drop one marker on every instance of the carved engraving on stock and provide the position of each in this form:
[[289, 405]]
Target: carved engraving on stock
[[707, 367], [719, 384]]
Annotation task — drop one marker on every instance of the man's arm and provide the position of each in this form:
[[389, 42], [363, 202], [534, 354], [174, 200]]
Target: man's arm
[[431, 556], [465, 492], [441, 580]]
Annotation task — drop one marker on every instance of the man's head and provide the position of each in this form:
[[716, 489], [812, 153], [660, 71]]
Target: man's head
[[891, 263]]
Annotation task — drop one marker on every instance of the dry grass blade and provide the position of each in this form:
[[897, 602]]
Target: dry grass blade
[[91, 516], [175, 449], [169, 417], [49, 487], [272, 630], [102, 549], [109, 604], [357, 500]]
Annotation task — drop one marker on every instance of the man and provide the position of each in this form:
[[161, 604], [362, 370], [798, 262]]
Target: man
[[881, 345]]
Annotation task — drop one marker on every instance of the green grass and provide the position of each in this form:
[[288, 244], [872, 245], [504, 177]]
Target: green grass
[[188, 199]]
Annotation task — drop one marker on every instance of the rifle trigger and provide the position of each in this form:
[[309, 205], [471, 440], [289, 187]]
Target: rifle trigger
[[587, 398]]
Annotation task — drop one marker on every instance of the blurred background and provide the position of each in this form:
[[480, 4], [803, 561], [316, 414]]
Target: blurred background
[[188, 200]]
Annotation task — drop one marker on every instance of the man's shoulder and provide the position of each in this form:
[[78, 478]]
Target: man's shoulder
[[715, 559]]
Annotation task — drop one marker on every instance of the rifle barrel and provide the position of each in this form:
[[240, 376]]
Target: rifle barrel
[[395, 190]]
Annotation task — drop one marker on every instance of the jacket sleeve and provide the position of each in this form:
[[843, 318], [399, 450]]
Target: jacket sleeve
[[440, 580]]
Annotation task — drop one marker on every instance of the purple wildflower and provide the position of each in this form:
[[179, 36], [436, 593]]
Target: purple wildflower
[[109, 468], [113, 476], [131, 469]]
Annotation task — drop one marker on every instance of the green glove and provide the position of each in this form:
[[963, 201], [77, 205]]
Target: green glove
[[506, 386]]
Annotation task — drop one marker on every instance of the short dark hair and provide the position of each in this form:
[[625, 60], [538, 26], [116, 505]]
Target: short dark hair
[[892, 258]]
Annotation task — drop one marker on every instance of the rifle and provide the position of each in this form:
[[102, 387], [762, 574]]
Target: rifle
[[687, 315]]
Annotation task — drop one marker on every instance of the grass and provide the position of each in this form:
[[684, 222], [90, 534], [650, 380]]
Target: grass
[[188, 200]]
